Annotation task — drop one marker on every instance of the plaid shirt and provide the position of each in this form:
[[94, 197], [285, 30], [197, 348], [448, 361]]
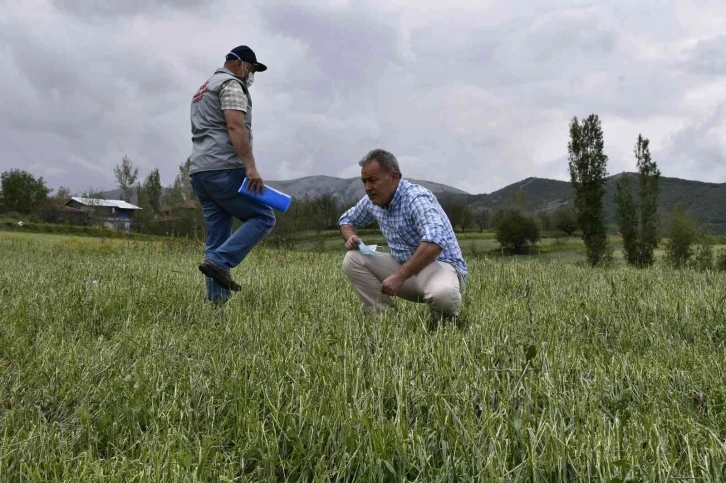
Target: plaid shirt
[[413, 216], [232, 97]]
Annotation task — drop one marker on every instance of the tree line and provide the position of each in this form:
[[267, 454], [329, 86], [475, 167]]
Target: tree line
[[174, 211], [637, 218]]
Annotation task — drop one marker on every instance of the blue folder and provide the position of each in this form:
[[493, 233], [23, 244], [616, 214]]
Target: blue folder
[[270, 197]]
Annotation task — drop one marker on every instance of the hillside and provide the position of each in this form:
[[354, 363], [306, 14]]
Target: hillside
[[346, 190], [706, 201]]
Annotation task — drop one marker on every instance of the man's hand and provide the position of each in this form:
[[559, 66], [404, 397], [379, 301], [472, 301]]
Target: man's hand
[[352, 242], [426, 253], [392, 285], [350, 236], [255, 184]]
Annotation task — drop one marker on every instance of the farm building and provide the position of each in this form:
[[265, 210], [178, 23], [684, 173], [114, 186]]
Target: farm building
[[113, 214], [53, 213]]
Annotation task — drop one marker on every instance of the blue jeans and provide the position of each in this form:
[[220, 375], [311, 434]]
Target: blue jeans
[[221, 203]]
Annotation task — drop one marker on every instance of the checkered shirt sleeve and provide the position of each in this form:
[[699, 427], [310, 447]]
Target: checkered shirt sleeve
[[360, 215], [233, 97], [427, 219]]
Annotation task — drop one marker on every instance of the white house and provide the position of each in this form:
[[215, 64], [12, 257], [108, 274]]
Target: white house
[[114, 214]]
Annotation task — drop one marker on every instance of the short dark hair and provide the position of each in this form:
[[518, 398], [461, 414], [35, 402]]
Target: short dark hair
[[386, 160]]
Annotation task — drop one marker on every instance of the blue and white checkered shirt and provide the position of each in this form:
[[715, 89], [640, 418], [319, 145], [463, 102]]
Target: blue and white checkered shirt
[[413, 216]]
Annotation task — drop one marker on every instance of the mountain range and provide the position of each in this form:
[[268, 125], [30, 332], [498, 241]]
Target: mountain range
[[345, 190], [705, 201]]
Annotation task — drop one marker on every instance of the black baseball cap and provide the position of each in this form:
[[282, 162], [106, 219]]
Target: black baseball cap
[[245, 54]]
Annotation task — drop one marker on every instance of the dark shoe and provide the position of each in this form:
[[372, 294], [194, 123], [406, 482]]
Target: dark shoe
[[222, 277]]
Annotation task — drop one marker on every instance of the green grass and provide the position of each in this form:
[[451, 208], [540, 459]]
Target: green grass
[[29, 227], [113, 369]]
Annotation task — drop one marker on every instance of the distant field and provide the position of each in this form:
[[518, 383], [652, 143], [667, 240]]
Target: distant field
[[473, 243], [113, 369], [476, 244]]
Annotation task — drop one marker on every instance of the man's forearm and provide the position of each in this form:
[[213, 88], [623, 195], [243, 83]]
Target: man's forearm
[[240, 138], [425, 254], [347, 231]]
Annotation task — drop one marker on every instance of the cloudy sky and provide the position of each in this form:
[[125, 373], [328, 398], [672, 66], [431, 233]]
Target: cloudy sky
[[475, 94]]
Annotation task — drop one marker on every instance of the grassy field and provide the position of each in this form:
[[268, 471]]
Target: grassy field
[[475, 244], [113, 369]]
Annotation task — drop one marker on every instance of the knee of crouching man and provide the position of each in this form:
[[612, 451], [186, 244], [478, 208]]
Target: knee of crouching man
[[350, 260], [445, 299]]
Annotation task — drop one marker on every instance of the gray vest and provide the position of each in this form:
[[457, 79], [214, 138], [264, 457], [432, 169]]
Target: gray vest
[[211, 146]]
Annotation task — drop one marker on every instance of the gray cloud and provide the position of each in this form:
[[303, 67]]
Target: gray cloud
[[92, 9], [700, 147], [708, 57], [351, 44], [468, 95]]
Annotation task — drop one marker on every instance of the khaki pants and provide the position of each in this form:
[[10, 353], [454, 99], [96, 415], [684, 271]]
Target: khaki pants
[[438, 285]]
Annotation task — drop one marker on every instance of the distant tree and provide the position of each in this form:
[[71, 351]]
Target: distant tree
[[175, 195], [721, 261], [545, 220], [588, 174], [318, 214], [327, 209], [181, 190], [51, 211], [183, 177], [468, 218], [703, 252], [649, 180], [62, 195], [516, 230], [93, 193], [126, 175], [22, 192], [639, 222], [483, 218], [143, 219], [627, 218], [564, 220], [456, 213], [679, 247], [142, 200], [152, 190]]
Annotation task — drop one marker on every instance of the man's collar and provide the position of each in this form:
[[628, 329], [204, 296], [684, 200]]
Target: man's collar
[[402, 184], [224, 70], [227, 71]]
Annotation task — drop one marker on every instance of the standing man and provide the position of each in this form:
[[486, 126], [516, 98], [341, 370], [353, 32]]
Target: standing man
[[221, 117], [425, 264]]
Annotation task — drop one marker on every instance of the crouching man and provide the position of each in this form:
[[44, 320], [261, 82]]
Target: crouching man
[[425, 263]]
